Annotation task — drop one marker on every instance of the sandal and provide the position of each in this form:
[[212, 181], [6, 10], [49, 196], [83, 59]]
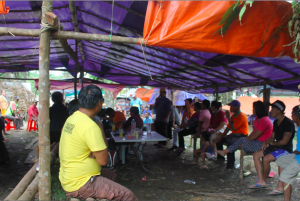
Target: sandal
[[275, 192], [257, 186], [204, 167], [194, 163]]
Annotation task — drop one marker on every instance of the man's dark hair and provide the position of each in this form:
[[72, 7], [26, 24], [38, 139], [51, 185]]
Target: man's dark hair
[[296, 110], [73, 106], [89, 96], [260, 109], [197, 105], [146, 107], [216, 104], [57, 97], [190, 100], [206, 103], [109, 111], [134, 110], [146, 113]]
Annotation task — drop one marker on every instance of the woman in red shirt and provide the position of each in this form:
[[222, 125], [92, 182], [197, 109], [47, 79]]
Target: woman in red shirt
[[262, 130]]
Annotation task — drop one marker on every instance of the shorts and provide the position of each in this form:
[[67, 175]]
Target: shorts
[[290, 166], [279, 152], [209, 155]]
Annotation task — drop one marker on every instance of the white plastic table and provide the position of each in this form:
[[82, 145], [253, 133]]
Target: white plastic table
[[139, 146]]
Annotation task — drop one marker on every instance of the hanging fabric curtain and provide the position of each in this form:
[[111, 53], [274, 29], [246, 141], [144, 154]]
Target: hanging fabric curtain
[[3, 10], [194, 25]]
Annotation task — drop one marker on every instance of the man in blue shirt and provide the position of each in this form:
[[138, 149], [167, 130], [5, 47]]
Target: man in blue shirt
[[146, 110], [136, 102], [147, 119], [290, 164]]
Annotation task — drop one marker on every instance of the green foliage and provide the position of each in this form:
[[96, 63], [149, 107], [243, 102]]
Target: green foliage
[[235, 11], [57, 192]]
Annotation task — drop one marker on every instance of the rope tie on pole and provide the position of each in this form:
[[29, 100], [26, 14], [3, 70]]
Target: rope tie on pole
[[145, 58]]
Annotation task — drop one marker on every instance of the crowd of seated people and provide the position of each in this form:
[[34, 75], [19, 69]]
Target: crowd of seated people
[[268, 142]]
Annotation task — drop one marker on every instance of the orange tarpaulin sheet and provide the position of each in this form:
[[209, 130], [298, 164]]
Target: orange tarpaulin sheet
[[3, 10], [247, 104], [191, 25], [144, 94]]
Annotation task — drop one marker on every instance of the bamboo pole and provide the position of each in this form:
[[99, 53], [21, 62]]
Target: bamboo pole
[[22, 185], [69, 35], [44, 122], [32, 188]]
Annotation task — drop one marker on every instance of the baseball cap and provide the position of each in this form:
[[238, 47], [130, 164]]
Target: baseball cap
[[189, 99], [16, 98], [35, 101], [278, 104], [234, 103]]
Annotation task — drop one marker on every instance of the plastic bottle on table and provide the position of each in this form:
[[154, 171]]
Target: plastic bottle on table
[[133, 126]]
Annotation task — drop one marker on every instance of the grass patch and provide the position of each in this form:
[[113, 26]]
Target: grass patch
[[57, 192]]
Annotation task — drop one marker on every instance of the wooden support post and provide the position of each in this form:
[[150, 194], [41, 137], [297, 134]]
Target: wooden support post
[[44, 95], [217, 93], [266, 97]]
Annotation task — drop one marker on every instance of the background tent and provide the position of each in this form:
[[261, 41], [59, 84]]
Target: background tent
[[156, 94], [247, 103], [144, 94], [69, 84], [178, 97]]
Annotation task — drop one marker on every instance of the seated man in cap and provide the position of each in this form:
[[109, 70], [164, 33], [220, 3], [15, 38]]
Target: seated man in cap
[[33, 112], [280, 144], [13, 113], [238, 125]]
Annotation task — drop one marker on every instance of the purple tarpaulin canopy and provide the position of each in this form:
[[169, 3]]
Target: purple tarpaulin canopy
[[124, 63]]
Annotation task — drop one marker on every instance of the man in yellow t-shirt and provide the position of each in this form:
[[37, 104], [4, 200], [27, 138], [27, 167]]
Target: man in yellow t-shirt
[[82, 152], [3, 103]]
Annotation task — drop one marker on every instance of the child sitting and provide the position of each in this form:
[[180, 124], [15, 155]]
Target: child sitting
[[206, 151]]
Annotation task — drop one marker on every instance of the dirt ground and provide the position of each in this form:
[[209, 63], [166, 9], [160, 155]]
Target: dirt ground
[[168, 182]]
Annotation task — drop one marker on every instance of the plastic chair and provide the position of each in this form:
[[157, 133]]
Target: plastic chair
[[9, 126], [30, 127]]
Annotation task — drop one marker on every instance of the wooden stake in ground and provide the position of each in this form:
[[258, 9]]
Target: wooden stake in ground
[[44, 95]]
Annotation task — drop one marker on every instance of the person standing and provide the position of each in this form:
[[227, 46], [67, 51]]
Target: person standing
[[163, 109], [238, 124], [33, 112], [12, 113], [3, 103], [58, 115], [136, 102]]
